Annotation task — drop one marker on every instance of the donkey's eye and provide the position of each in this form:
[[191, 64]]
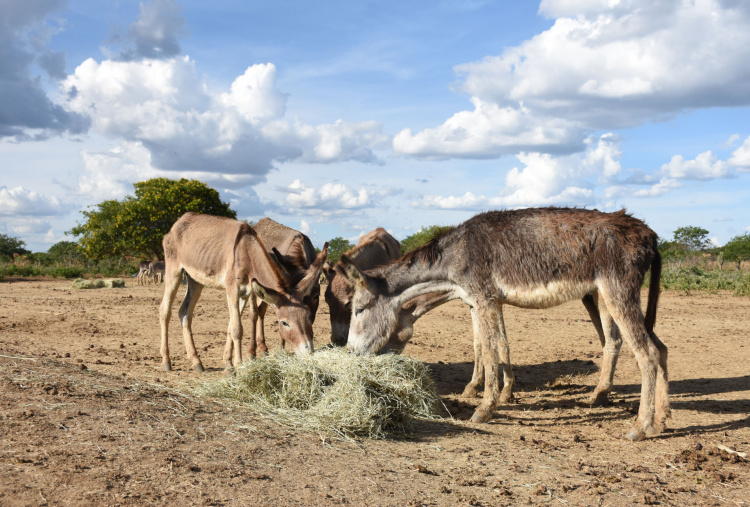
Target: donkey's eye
[[357, 311], [285, 324]]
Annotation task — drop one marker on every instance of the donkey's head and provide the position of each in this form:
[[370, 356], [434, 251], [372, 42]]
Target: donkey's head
[[374, 313], [295, 318], [339, 295]]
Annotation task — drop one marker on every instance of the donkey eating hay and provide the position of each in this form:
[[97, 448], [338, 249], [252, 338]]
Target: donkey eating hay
[[532, 258], [226, 253]]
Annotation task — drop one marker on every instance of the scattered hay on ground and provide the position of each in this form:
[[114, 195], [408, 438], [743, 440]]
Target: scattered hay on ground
[[334, 392]]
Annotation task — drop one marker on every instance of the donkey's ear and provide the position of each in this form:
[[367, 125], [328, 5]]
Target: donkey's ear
[[312, 276], [354, 275], [281, 262], [328, 271], [268, 295]]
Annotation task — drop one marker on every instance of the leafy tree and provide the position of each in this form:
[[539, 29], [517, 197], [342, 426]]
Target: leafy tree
[[422, 236], [137, 224], [336, 247], [10, 246], [738, 249], [694, 239]]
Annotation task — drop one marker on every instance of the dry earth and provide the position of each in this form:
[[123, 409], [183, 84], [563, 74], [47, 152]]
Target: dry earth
[[87, 418]]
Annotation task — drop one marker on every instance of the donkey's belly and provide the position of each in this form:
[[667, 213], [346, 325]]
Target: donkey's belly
[[545, 296]]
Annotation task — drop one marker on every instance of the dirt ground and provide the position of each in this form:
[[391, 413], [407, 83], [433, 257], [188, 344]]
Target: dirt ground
[[87, 418]]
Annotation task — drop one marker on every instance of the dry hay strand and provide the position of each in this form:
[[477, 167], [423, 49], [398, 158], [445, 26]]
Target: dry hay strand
[[334, 392]]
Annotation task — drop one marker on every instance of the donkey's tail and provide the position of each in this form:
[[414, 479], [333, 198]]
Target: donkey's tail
[[653, 293]]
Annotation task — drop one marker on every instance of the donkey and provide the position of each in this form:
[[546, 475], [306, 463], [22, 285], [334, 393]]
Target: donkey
[[294, 253], [155, 271], [142, 271], [226, 253], [531, 258], [375, 248]]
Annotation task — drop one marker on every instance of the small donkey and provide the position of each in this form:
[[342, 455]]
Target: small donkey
[[226, 253], [531, 258]]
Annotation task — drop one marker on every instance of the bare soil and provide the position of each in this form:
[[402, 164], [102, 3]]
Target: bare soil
[[87, 418]]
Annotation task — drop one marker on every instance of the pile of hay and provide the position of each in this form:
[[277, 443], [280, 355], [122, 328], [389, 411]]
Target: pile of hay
[[113, 283], [334, 392]]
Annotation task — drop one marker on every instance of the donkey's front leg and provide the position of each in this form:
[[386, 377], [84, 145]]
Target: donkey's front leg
[[187, 308], [477, 377], [489, 324], [234, 331]]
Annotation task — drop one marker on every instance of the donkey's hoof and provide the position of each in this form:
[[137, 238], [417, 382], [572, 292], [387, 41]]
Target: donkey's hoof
[[469, 392], [506, 397], [480, 416], [599, 399], [635, 434], [166, 366], [198, 368]]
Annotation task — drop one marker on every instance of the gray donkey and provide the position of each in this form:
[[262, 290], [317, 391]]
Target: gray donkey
[[531, 258]]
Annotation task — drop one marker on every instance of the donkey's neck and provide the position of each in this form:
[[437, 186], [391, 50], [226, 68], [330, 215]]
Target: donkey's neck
[[407, 280]]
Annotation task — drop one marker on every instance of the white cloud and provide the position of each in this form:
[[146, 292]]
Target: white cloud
[[487, 131], [28, 203], [546, 180], [741, 157], [329, 197], [705, 166], [602, 65], [163, 107]]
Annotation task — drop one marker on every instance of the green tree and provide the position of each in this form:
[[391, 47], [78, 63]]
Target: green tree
[[738, 249], [10, 246], [336, 247], [694, 239], [422, 236], [137, 224]]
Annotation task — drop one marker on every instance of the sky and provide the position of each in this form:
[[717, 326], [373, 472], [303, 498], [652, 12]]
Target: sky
[[337, 117]]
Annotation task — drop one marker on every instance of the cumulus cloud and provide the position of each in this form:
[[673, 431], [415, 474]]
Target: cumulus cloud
[[28, 203], [602, 65], [156, 33], [488, 131], [741, 157], [26, 112], [546, 180], [169, 122], [705, 166], [331, 196]]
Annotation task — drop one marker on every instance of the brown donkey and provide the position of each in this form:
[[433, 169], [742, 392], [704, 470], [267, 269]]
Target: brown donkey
[[375, 248], [532, 258], [295, 254], [225, 253]]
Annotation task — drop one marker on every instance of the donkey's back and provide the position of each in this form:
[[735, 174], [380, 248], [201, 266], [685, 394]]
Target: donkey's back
[[542, 257]]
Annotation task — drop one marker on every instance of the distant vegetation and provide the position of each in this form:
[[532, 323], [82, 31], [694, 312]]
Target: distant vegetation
[[108, 246], [422, 236]]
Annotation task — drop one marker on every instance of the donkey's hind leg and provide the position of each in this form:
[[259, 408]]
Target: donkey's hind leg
[[626, 312], [185, 313], [609, 336]]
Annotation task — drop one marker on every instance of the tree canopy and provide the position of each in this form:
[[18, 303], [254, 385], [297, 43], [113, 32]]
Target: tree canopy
[[738, 248], [10, 245], [336, 247], [694, 239], [137, 224]]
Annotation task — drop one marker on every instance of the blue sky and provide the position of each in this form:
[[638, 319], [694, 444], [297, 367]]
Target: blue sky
[[339, 117]]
